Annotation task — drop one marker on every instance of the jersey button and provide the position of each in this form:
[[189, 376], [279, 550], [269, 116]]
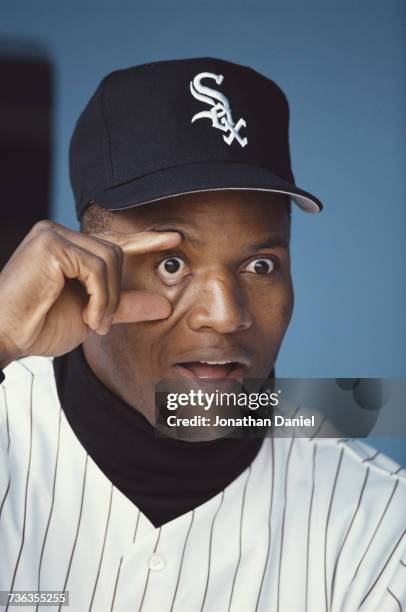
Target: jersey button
[[156, 563]]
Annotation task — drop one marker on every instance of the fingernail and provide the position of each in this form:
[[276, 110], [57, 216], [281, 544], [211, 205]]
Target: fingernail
[[105, 326]]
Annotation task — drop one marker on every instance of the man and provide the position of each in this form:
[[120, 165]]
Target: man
[[182, 180]]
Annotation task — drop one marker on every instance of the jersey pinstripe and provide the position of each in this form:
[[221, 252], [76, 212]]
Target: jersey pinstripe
[[312, 525]]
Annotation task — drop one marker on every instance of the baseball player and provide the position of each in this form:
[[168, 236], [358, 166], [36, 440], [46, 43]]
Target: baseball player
[[182, 181]]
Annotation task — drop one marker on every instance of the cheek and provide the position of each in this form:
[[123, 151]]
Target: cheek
[[134, 350], [136, 275], [127, 343], [271, 313], [286, 304], [271, 307], [144, 278]]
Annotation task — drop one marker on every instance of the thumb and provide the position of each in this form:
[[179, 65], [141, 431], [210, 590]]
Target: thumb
[[138, 306]]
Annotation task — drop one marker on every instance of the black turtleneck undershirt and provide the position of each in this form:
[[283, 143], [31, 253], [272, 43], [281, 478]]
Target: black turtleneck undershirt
[[163, 477]]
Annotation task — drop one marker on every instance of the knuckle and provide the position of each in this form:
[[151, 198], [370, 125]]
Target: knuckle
[[113, 254], [46, 237], [43, 225], [99, 265], [118, 252]]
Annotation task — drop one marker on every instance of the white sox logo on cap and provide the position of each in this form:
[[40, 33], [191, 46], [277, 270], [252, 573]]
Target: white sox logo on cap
[[220, 113]]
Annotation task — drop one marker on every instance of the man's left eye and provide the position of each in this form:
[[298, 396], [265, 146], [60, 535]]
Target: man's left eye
[[262, 266]]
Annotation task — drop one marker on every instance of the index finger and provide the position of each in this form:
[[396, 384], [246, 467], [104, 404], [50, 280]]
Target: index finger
[[141, 242]]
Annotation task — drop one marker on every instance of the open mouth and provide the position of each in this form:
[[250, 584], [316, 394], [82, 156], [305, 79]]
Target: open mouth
[[211, 369]]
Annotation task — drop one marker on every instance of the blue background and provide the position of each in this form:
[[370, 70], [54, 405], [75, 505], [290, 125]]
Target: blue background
[[343, 70]]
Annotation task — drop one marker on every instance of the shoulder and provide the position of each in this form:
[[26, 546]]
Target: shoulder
[[362, 456], [358, 460], [348, 457], [347, 484], [375, 528], [356, 471], [23, 378], [345, 456], [353, 498], [26, 368]]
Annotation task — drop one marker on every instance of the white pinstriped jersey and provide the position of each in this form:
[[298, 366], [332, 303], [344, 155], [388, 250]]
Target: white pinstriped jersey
[[310, 526]]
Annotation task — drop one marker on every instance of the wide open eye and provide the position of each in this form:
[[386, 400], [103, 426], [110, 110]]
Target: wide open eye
[[171, 270], [263, 266]]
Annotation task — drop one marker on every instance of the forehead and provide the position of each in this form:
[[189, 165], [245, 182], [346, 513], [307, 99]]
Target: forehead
[[208, 212]]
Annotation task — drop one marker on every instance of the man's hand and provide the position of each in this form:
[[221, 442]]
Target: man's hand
[[60, 286]]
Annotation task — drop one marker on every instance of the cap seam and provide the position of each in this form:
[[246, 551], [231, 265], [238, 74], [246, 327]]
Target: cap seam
[[107, 149]]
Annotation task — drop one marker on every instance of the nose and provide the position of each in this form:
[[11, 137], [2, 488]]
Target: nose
[[220, 307]]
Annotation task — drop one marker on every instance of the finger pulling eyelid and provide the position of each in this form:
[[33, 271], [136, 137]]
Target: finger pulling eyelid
[[167, 229], [186, 237]]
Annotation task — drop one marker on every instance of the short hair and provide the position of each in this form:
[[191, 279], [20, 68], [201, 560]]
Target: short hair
[[97, 219]]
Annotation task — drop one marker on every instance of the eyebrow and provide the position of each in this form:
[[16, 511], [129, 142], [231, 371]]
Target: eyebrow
[[269, 243]]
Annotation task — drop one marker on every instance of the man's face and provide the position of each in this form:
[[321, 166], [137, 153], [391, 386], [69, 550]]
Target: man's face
[[229, 285]]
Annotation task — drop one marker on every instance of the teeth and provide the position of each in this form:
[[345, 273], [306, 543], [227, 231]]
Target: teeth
[[216, 362]]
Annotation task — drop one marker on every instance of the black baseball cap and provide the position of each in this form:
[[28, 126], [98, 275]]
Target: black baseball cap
[[176, 127]]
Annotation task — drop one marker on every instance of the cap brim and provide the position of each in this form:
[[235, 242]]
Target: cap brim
[[192, 178]]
